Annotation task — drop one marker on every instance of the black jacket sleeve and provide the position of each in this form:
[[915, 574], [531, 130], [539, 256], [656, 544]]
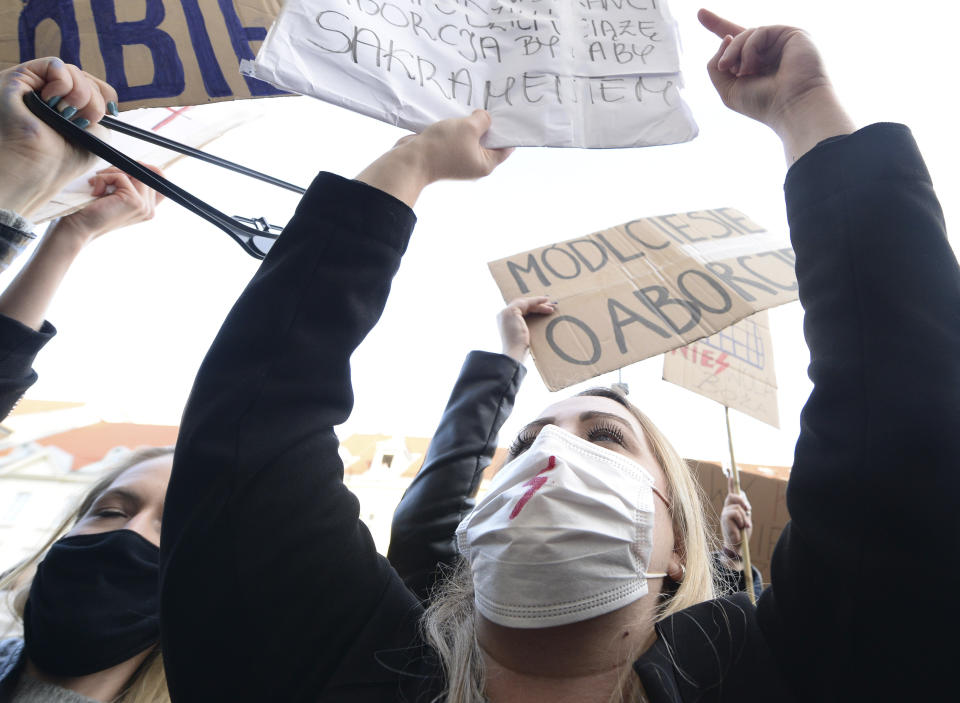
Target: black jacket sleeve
[[19, 346], [268, 578], [875, 487], [441, 494]]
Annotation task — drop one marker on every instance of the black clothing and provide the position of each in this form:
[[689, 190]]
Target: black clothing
[[441, 494], [271, 587], [13, 661], [19, 346], [422, 536]]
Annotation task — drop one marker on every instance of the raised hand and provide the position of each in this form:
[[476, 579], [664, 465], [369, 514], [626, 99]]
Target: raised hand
[[512, 322], [129, 202], [37, 162], [449, 149], [775, 75], [736, 522]]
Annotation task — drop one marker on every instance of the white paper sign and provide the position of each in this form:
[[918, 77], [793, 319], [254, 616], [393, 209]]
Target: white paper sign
[[578, 73]]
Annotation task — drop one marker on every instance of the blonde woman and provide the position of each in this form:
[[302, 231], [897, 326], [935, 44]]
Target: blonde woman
[[422, 543], [272, 588], [88, 598]]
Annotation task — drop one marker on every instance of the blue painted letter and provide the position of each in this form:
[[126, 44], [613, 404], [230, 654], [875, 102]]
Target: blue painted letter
[[168, 79], [61, 12]]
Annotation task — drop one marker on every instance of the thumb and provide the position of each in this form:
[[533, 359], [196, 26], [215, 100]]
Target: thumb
[[480, 120]]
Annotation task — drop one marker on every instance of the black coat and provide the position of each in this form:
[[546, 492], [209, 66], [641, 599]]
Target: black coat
[[272, 588]]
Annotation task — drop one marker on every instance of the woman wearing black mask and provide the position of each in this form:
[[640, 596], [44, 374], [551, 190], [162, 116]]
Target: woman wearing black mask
[[90, 610]]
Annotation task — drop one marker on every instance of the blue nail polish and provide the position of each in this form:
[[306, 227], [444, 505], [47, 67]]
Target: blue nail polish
[[52, 102], [68, 112], [112, 108], [82, 123]]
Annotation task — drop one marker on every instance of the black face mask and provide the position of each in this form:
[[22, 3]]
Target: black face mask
[[94, 603]]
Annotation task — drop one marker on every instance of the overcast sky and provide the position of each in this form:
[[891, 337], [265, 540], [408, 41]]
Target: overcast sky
[[141, 306]]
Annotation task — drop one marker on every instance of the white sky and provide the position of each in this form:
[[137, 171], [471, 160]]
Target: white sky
[[141, 306]]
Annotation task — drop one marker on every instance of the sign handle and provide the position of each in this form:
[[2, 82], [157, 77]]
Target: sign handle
[[747, 565]]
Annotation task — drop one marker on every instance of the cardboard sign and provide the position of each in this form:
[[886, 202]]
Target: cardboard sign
[[766, 489], [645, 287], [153, 52], [595, 73], [733, 367]]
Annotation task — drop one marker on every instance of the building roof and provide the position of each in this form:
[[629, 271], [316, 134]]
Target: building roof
[[28, 406], [89, 444]]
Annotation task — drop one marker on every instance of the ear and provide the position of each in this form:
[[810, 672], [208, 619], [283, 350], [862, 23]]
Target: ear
[[676, 569]]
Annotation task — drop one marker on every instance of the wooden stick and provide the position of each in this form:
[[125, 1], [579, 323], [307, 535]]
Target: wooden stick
[[745, 543]]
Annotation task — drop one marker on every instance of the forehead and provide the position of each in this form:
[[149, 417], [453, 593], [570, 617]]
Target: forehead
[[148, 478], [572, 408]]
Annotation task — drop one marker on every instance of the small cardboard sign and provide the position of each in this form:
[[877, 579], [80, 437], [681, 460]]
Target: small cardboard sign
[[155, 53], [645, 287], [765, 488], [733, 367], [593, 73]]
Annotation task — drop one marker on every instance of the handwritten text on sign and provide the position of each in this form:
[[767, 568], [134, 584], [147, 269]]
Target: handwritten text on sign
[[645, 287], [552, 72], [153, 52], [733, 367]]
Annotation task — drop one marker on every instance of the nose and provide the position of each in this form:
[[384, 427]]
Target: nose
[[146, 525]]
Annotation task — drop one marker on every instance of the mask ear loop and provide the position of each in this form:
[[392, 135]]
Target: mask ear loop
[[663, 575]]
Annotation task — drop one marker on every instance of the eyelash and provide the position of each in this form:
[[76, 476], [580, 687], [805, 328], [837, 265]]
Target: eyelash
[[522, 443], [605, 429], [109, 513], [602, 431]]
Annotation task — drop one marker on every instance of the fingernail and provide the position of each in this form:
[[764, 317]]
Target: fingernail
[[52, 102], [82, 123], [68, 112], [112, 108], [554, 302]]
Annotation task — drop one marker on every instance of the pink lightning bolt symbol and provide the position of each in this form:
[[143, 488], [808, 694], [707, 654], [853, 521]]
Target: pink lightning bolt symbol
[[535, 484]]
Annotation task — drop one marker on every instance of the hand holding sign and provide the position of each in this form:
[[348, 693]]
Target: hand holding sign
[[37, 162], [775, 76], [449, 149], [514, 333], [736, 523]]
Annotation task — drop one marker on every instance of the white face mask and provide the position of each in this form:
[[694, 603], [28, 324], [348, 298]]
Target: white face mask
[[565, 534]]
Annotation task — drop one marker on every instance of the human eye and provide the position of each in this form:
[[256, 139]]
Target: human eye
[[522, 442], [605, 432]]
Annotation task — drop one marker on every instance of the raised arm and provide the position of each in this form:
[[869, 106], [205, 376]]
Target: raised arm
[[37, 163], [441, 494], [873, 491], [268, 578]]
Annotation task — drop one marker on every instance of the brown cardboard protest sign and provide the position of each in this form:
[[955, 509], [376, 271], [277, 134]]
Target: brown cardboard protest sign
[[733, 367], [155, 53], [645, 287], [765, 488]]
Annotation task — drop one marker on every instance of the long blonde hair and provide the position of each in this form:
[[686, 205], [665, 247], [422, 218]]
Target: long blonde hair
[[449, 624], [149, 682]]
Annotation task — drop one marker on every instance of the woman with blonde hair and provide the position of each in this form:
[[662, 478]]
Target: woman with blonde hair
[[272, 588], [88, 598]]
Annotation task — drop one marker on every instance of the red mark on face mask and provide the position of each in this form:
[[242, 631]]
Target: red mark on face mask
[[535, 484]]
